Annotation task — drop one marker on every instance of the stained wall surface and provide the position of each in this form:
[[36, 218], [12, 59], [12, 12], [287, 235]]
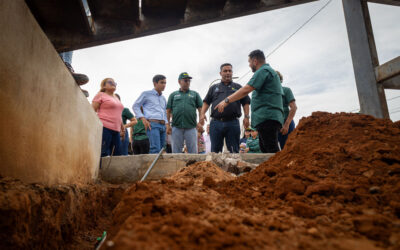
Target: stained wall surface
[[48, 131]]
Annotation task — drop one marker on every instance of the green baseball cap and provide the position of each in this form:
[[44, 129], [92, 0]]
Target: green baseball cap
[[184, 75]]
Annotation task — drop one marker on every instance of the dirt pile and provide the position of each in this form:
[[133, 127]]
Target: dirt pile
[[336, 185], [34, 216]]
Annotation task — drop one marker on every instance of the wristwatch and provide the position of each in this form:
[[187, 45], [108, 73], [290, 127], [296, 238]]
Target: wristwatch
[[246, 116], [227, 100]]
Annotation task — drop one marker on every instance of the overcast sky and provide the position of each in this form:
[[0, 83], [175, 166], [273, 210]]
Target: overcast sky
[[315, 62]]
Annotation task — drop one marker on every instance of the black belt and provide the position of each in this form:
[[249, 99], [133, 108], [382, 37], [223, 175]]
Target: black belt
[[223, 119]]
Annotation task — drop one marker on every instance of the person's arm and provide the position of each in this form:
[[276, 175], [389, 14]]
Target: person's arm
[[292, 113], [136, 108], [246, 111], [242, 92], [95, 106], [169, 116], [199, 123], [203, 113], [132, 123], [96, 102]]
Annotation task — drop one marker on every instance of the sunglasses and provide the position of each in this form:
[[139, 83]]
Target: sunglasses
[[112, 83], [186, 80]]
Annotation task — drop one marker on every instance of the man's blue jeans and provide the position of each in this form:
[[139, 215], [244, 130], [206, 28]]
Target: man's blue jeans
[[157, 136], [282, 138], [189, 135], [125, 144], [230, 131], [67, 57], [110, 141]]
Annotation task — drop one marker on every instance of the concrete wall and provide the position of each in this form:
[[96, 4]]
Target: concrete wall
[[48, 130], [121, 169]]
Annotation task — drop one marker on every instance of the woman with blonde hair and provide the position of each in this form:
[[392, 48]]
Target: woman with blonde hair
[[109, 109]]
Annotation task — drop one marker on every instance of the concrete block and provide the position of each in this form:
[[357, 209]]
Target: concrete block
[[48, 131], [121, 169]]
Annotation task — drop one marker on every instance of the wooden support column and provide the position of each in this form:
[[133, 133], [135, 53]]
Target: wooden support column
[[363, 52]]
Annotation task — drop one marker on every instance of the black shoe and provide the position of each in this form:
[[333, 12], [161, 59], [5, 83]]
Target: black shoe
[[85, 92], [80, 79]]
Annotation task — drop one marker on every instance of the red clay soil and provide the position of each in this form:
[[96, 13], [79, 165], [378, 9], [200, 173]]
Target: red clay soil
[[35, 216], [336, 185]]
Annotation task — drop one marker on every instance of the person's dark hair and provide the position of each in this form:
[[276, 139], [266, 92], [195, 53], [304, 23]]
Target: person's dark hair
[[119, 98], [158, 78], [257, 54], [223, 65]]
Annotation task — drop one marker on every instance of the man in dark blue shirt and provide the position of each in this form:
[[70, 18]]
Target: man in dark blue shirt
[[225, 125]]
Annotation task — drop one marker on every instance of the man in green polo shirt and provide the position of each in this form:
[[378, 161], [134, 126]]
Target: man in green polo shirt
[[182, 105], [266, 103]]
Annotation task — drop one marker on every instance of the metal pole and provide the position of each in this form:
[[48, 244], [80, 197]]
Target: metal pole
[[152, 165]]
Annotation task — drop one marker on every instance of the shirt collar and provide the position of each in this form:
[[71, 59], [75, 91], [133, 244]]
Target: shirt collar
[[224, 84], [184, 92], [156, 93]]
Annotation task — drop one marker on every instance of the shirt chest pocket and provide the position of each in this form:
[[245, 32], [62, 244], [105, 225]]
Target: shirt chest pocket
[[178, 100]]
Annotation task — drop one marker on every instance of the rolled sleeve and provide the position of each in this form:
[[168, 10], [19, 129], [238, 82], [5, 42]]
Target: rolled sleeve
[[136, 106]]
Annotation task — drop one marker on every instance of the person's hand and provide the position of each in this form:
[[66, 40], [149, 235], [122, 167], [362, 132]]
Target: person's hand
[[246, 122], [221, 106], [146, 123], [198, 126], [284, 130], [122, 134], [202, 119], [169, 129]]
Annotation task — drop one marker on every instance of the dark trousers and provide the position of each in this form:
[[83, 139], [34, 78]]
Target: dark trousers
[[110, 141], [268, 135], [230, 131], [141, 147], [282, 138]]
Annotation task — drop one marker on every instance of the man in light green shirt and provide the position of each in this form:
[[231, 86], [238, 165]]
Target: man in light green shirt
[[266, 103]]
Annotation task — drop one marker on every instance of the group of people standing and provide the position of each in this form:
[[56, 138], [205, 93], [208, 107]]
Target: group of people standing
[[182, 117]]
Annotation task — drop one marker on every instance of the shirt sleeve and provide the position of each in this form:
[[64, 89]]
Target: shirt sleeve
[[128, 114], [289, 96], [199, 102], [208, 98], [170, 100], [98, 98], [258, 79], [138, 103]]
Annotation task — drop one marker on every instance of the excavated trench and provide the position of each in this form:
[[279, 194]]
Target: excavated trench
[[336, 185]]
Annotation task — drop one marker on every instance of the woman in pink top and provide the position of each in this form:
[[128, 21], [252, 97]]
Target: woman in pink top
[[109, 109]]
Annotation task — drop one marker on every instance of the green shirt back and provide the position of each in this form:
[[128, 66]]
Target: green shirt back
[[266, 101], [183, 106], [286, 99], [126, 115], [139, 133]]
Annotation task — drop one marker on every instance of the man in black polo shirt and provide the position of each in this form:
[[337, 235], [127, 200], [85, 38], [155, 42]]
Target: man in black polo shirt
[[225, 125]]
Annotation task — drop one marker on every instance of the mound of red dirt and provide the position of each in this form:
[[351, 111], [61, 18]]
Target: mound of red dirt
[[35, 216], [336, 185]]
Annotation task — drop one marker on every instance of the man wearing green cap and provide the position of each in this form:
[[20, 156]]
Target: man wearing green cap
[[182, 105]]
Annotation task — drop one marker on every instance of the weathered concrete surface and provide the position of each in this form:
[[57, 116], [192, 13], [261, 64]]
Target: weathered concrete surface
[[120, 169], [48, 130]]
